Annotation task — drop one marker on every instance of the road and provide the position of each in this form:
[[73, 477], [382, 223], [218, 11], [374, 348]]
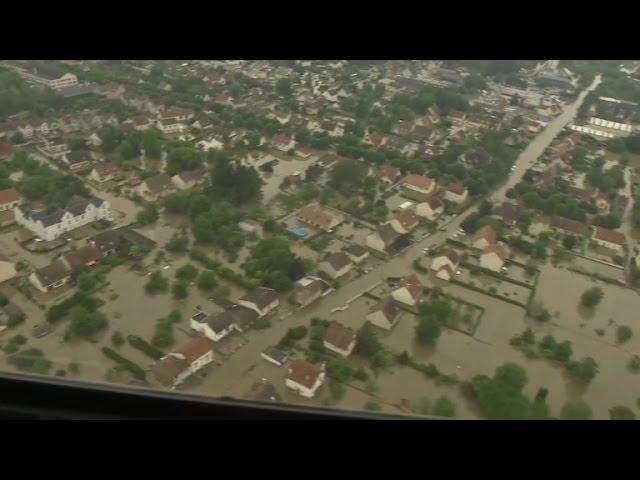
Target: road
[[223, 380]]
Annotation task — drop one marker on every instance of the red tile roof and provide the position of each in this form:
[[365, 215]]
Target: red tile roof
[[498, 249], [304, 373], [419, 181], [9, 195], [610, 236], [412, 284], [340, 336], [196, 348], [487, 232]]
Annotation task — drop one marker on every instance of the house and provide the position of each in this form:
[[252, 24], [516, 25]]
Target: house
[[336, 265], [261, 300], [7, 268], [215, 326], [408, 291], [172, 369], [210, 143], [103, 172], [567, 225], [6, 149], [78, 160], [9, 198], [414, 183], [52, 276], [142, 123], [609, 239], [107, 242], [339, 339], [283, 142], [509, 212], [456, 192], [404, 221], [356, 253], [383, 238], [446, 264], [178, 113], [305, 378], [53, 147], [156, 187], [493, 256], [170, 125], [305, 153], [48, 76], [308, 289], [320, 216], [86, 256], [275, 356], [385, 313], [49, 226], [188, 179], [263, 391], [484, 237], [388, 174], [431, 209]]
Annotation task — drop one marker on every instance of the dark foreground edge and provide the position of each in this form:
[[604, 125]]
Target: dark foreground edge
[[26, 397]]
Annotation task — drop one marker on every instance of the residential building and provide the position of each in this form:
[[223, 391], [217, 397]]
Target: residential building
[[103, 172], [404, 221], [356, 253], [456, 192], [53, 147], [49, 77], [305, 378], [339, 339], [86, 256], [214, 326], [174, 368], [336, 265], [408, 291], [431, 209], [156, 187], [385, 313], [567, 225], [261, 300], [263, 391], [50, 277], [77, 160], [188, 179], [49, 226], [420, 184], [309, 289], [7, 268], [275, 356], [484, 237], [389, 174], [170, 125], [446, 264], [319, 216], [610, 239], [494, 256], [9, 199], [383, 238], [283, 142], [107, 242]]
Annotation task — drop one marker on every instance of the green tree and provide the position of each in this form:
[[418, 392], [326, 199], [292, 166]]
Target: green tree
[[621, 413], [85, 323], [148, 215], [634, 364], [348, 176], [592, 297], [157, 283], [584, 371], [86, 282], [428, 330], [576, 410], [367, 343], [444, 407], [180, 290], [163, 338], [207, 280], [283, 87], [117, 340], [187, 272]]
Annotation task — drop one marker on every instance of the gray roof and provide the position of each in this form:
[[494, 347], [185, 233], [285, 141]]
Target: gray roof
[[277, 355], [261, 296], [52, 273], [387, 234]]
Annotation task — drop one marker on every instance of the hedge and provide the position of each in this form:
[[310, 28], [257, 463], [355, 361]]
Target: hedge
[[497, 275], [225, 272], [597, 276], [134, 369], [486, 292], [58, 311], [145, 347]]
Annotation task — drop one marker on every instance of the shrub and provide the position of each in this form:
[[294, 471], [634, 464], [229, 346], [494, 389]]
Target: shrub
[[443, 407], [18, 339], [207, 280], [261, 323], [592, 297], [621, 413], [180, 290], [11, 348], [116, 339], [144, 347], [623, 334], [187, 272], [163, 338], [175, 316], [372, 405], [74, 368], [157, 283], [361, 374], [137, 371], [634, 364]]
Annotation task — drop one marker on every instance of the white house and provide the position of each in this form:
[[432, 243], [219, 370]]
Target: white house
[[211, 143], [456, 193], [385, 314], [431, 209], [408, 291], [493, 256], [445, 265], [261, 300], [7, 268], [340, 339], [172, 369], [215, 326], [49, 226], [103, 172], [305, 378]]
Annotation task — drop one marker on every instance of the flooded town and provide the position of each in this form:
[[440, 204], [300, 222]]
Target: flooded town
[[429, 239]]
